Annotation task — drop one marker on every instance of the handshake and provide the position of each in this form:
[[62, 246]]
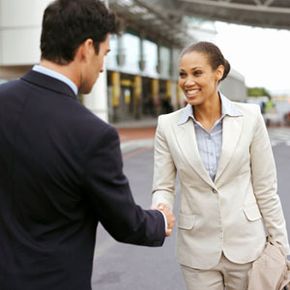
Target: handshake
[[170, 219]]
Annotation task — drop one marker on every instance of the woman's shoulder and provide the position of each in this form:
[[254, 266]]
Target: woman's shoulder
[[175, 114], [247, 108]]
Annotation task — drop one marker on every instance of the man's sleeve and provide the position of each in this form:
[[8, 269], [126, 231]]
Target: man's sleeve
[[108, 191]]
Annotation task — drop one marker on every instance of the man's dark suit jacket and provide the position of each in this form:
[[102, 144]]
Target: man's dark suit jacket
[[60, 174]]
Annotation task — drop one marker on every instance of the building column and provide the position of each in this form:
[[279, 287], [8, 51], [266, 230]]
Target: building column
[[137, 95], [174, 97], [97, 100]]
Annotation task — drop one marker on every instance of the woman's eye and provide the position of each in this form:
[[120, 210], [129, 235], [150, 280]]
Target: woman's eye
[[197, 73]]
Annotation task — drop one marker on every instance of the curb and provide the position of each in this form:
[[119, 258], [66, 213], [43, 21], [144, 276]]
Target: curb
[[132, 145]]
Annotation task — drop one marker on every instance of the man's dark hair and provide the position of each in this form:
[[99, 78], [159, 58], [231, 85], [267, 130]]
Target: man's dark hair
[[67, 24]]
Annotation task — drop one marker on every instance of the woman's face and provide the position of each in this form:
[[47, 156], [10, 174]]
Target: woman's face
[[197, 79]]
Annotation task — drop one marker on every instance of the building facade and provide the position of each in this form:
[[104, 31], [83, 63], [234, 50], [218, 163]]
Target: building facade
[[140, 80]]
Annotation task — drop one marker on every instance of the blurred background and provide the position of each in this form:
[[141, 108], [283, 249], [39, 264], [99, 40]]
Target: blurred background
[[142, 69], [140, 83]]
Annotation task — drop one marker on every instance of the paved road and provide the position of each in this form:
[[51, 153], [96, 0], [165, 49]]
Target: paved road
[[280, 140], [279, 136], [125, 267]]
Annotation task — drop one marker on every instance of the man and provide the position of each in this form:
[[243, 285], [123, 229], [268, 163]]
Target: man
[[60, 165]]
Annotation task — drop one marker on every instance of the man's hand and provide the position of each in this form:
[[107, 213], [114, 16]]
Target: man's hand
[[169, 217]]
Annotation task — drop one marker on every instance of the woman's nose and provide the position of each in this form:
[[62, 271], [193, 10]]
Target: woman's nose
[[189, 82]]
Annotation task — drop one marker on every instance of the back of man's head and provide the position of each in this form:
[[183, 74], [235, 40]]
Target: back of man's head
[[68, 23]]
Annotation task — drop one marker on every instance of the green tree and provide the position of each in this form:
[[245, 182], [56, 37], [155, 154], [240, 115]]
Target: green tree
[[258, 92]]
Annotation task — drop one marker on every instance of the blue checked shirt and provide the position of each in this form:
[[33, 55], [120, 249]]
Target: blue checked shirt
[[210, 142]]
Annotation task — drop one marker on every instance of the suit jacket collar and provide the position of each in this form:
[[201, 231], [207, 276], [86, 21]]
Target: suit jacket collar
[[232, 127], [49, 83], [186, 139], [54, 74]]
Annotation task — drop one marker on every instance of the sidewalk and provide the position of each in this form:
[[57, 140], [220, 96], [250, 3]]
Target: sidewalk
[[136, 134]]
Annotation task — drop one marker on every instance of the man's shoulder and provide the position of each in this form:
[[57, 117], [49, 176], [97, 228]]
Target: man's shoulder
[[9, 86]]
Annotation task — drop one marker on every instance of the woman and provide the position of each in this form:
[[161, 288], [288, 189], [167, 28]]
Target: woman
[[221, 153]]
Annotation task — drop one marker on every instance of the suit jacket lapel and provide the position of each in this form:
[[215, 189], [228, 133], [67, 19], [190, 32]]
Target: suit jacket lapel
[[186, 139], [232, 127]]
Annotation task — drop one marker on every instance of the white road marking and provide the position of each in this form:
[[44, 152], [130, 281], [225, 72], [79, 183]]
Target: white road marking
[[275, 142]]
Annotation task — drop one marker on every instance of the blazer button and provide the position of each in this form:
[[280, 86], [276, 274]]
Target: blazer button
[[214, 190]]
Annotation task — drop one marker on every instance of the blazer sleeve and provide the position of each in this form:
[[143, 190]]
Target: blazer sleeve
[[164, 177], [264, 181], [108, 191]]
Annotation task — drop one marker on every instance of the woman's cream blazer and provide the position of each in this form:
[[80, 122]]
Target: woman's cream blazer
[[232, 214]]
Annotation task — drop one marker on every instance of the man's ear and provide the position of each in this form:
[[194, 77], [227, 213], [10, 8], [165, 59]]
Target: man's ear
[[85, 50]]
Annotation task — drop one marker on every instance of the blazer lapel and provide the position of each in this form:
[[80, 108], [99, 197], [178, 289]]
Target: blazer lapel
[[186, 139], [232, 127]]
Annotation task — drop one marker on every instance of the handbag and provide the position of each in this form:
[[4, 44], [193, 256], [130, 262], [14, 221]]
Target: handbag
[[271, 271]]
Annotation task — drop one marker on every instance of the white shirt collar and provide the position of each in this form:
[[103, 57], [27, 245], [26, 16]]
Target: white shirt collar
[[56, 75]]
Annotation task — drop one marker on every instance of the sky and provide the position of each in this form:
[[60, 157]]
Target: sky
[[261, 55]]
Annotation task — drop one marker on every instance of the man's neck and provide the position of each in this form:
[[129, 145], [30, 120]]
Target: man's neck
[[68, 70]]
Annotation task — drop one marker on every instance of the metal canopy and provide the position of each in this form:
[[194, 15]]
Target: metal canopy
[[153, 21], [166, 20], [263, 13]]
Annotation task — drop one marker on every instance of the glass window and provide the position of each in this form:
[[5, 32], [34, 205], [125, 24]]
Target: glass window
[[130, 48], [150, 53], [165, 62], [111, 59]]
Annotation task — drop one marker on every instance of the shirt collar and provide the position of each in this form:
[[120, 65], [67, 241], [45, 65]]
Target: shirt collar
[[56, 75], [228, 109]]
